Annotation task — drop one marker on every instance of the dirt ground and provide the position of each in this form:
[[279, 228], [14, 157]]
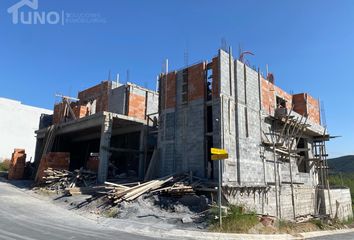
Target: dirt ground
[[187, 212]]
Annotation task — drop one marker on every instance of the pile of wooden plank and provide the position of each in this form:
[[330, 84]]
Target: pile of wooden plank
[[53, 160], [60, 180], [173, 184], [84, 182]]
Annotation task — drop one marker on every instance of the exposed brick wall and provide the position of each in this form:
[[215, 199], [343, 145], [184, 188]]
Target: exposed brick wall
[[268, 102], [313, 109], [170, 90], [304, 104], [80, 111], [136, 106], [99, 92], [55, 160], [58, 113], [216, 81], [269, 94], [300, 105], [288, 97], [196, 82]]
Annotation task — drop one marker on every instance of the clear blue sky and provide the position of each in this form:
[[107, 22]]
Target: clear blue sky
[[308, 44]]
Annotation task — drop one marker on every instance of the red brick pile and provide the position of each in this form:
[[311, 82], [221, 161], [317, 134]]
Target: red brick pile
[[17, 165], [55, 160]]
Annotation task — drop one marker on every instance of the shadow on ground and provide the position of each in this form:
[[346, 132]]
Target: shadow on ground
[[22, 184]]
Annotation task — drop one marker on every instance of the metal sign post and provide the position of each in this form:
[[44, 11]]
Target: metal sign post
[[219, 194], [219, 155]]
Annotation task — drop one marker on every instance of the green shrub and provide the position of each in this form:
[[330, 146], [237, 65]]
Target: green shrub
[[5, 165]]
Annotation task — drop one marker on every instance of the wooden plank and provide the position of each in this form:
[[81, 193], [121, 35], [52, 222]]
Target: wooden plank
[[117, 185]]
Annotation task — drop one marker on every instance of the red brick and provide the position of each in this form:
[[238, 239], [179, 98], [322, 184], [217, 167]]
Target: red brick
[[170, 90], [55, 160], [306, 105], [136, 106], [17, 165], [216, 81], [196, 82], [99, 92]]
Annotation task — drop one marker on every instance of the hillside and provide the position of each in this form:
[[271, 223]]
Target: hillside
[[343, 164]]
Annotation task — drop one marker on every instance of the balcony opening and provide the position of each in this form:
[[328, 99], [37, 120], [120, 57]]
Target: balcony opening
[[303, 152], [281, 102], [209, 83]]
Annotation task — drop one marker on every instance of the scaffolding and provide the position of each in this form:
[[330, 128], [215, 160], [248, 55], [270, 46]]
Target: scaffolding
[[321, 165], [285, 134]]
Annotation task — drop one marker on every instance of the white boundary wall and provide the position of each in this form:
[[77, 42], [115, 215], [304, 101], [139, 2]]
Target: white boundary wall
[[18, 123]]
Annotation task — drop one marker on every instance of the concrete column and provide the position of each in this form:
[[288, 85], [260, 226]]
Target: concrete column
[[141, 154], [105, 143]]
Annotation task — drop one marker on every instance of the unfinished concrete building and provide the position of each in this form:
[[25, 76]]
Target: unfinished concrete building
[[275, 140], [108, 128]]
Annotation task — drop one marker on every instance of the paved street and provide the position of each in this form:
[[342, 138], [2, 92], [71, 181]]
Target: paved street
[[23, 217], [345, 236]]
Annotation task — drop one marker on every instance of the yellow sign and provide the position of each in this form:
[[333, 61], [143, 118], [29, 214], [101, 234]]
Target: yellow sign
[[218, 151], [219, 156]]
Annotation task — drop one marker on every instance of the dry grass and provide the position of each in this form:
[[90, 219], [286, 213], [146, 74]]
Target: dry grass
[[238, 220], [111, 213]]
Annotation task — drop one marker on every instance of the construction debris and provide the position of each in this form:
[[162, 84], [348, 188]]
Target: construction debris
[[84, 182], [53, 160], [172, 185], [62, 180], [172, 197]]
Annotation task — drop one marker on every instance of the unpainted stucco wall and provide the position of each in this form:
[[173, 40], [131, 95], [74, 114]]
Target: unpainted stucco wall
[[262, 200], [341, 203]]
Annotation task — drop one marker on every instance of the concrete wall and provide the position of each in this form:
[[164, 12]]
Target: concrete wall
[[341, 203], [262, 200], [18, 123], [249, 126], [117, 100], [181, 134]]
